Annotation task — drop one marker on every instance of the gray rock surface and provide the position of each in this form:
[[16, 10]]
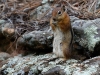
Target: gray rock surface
[[37, 39], [86, 32], [49, 64]]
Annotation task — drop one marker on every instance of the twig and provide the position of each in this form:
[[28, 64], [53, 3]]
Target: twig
[[91, 6]]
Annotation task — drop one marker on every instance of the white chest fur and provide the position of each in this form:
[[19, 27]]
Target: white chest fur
[[58, 37]]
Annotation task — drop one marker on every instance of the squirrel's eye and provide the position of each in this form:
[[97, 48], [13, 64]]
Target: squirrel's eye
[[59, 12]]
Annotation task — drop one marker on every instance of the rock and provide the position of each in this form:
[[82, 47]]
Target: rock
[[4, 56], [91, 66], [49, 64], [7, 29], [37, 40], [36, 65], [2, 22], [98, 4], [86, 33], [41, 11], [45, 1]]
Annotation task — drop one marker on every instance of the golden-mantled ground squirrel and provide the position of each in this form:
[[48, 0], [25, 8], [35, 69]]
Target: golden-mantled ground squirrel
[[61, 26]]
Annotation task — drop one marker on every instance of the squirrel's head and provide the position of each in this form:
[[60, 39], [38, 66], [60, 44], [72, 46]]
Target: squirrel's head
[[58, 14]]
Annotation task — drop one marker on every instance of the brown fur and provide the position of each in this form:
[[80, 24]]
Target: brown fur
[[63, 23], [62, 32]]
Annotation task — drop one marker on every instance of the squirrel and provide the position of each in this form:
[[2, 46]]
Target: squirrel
[[63, 34]]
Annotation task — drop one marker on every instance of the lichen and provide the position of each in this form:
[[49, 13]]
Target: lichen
[[69, 68], [33, 70], [40, 11], [48, 68], [90, 32], [35, 65], [44, 1], [2, 21], [88, 71], [17, 64], [71, 61]]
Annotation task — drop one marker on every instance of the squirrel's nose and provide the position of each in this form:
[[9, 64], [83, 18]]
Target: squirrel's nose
[[54, 19]]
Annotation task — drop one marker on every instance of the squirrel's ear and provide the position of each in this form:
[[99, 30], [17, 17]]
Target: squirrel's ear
[[63, 7]]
